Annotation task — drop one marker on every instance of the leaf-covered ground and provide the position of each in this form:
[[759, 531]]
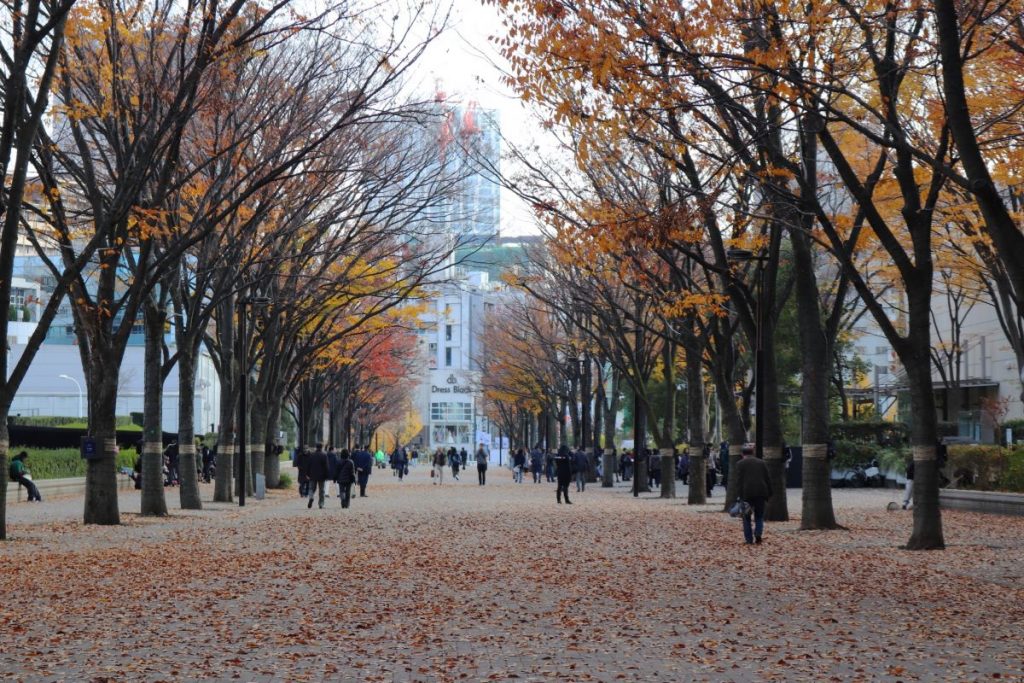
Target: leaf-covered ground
[[426, 583]]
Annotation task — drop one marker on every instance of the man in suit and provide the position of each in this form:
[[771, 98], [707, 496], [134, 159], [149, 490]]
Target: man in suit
[[317, 469], [364, 466]]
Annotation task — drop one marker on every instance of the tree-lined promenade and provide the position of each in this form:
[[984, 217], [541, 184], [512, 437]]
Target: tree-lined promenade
[[498, 582]]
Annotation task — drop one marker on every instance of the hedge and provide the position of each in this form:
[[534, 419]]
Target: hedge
[[61, 463], [121, 421], [986, 468]]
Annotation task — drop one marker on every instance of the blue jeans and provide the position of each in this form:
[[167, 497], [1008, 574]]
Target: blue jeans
[[757, 512]]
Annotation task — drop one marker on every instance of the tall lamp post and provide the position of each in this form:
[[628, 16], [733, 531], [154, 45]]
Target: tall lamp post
[[79, 386], [744, 255], [244, 303]]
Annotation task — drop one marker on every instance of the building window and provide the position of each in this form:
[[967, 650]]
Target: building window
[[447, 332], [432, 355], [447, 356], [456, 412]]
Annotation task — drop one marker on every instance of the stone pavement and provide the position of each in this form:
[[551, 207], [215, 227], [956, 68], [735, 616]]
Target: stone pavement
[[419, 582]]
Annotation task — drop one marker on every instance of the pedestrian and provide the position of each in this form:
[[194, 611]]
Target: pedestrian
[[580, 464], [301, 462], [401, 462], [207, 459], [712, 470], [346, 477], [364, 467], [616, 468], [317, 469], [17, 471], [549, 465], [563, 473], [684, 466], [438, 464], [455, 460], [171, 453], [654, 469], [536, 465], [908, 494], [463, 457], [723, 462], [518, 465], [481, 464], [333, 462], [753, 486]]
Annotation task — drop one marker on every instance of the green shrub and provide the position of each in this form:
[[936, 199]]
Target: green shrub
[[1012, 478], [43, 420], [285, 482], [61, 463], [850, 453], [894, 460], [976, 466], [1016, 426]]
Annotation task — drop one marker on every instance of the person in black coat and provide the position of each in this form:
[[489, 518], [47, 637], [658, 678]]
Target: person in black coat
[[301, 462], [317, 469], [753, 485], [563, 473], [346, 477], [333, 461], [364, 466]]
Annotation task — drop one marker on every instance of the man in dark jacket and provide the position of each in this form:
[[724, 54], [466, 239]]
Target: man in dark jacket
[[753, 485], [579, 469], [301, 464], [364, 466], [346, 476], [317, 468], [563, 473]]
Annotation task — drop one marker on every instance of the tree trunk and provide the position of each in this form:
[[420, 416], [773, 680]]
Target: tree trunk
[[258, 438], [153, 502], [927, 533], [668, 473], [5, 443], [188, 491], [607, 468], [697, 489], [777, 507], [224, 481], [101, 472], [272, 460], [697, 493]]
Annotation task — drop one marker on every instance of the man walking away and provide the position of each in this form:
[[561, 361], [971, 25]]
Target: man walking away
[[364, 466], [563, 473], [317, 468], [438, 464], [19, 473], [753, 485], [346, 476], [400, 461], [579, 468], [333, 461], [481, 464]]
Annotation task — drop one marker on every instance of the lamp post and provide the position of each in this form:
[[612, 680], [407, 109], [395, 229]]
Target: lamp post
[[243, 389], [743, 255], [79, 386]]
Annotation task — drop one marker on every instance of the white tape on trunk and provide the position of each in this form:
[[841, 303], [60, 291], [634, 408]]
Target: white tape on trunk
[[815, 450], [186, 449], [152, 447], [923, 453], [773, 453]]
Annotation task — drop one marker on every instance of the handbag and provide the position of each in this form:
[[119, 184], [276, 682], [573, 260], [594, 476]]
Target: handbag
[[431, 473], [740, 508]]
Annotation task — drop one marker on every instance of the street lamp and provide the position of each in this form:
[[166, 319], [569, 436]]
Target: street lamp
[[744, 255], [79, 386], [243, 395]]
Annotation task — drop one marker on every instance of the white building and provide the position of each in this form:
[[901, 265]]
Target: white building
[[447, 397], [56, 385]]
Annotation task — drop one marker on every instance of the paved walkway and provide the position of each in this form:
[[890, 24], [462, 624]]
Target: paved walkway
[[420, 582]]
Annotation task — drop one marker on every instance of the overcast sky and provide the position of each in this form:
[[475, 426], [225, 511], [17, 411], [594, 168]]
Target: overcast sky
[[469, 68]]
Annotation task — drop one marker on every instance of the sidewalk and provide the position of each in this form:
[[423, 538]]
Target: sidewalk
[[420, 582]]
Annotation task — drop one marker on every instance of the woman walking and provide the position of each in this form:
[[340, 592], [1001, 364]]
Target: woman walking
[[438, 464]]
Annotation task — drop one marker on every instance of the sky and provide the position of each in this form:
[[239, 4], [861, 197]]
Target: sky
[[468, 67]]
